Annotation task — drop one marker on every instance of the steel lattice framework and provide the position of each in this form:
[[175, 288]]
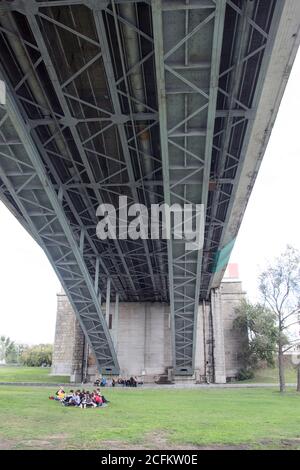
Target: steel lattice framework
[[153, 100], [187, 75]]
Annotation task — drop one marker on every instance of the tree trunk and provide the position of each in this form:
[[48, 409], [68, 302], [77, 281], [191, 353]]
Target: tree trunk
[[298, 378], [281, 369]]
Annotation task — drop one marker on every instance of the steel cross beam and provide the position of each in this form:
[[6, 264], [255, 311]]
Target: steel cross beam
[[59, 184], [230, 157], [50, 227], [63, 121], [186, 132], [239, 164], [62, 189], [120, 125], [61, 96], [72, 124], [101, 4], [239, 54], [121, 129]]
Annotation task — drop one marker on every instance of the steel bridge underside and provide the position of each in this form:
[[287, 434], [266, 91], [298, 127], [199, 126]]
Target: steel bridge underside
[[153, 100]]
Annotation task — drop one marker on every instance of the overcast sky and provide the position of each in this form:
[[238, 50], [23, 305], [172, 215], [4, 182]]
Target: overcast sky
[[28, 285]]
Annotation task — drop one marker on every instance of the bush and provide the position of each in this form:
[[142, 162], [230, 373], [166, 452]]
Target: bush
[[245, 374], [37, 356]]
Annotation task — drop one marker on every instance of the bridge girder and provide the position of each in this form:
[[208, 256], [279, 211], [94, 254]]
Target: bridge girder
[[188, 153], [154, 100], [232, 103], [50, 228]]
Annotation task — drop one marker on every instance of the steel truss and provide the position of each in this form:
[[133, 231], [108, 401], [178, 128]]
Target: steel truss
[[150, 99], [205, 124], [92, 148], [42, 210], [187, 46], [242, 74]]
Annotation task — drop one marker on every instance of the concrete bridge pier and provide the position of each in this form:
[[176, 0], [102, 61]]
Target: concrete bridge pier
[[141, 332]]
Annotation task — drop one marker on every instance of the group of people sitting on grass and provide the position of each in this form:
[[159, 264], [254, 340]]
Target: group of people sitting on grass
[[80, 398], [132, 382]]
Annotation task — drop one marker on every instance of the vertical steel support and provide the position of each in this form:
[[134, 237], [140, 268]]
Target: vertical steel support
[[116, 324], [69, 264], [107, 306], [187, 108]]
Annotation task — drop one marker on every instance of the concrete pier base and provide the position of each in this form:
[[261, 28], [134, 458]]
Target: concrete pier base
[[142, 337]]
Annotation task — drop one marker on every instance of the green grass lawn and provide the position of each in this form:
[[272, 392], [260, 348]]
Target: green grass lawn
[[149, 418], [30, 374], [270, 375]]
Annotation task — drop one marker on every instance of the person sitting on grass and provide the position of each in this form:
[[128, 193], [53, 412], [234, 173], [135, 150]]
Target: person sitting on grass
[[74, 399], [102, 396], [83, 400], [87, 401], [132, 382], [60, 394], [103, 382], [97, 399], [98, 391], [67, 398]]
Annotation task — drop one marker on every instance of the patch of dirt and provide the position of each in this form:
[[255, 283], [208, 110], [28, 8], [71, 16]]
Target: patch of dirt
[[158, 440], [120, 445], [6, 444], [54, 441], [57, 436], [292, 443], [36, 444]]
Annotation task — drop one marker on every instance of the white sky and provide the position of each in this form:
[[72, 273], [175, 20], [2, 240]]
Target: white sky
[[28, 285], [272, 218]]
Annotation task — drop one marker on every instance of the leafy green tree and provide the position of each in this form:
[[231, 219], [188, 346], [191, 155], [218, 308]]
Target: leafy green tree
[[6, 347], [11, 356], [37, 356], [280, 289], [260, 323], [21, 350]]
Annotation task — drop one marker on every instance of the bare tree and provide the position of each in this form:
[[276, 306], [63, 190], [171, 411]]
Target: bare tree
[[280, 288], [6, 346]]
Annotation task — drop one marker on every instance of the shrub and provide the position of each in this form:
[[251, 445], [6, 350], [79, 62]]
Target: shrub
[[37, 356], [245, 374]]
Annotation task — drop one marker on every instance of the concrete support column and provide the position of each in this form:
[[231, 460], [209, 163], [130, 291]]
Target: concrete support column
[[200, 345], [147, 337], [218, 337], [69, 339], [116, 323]]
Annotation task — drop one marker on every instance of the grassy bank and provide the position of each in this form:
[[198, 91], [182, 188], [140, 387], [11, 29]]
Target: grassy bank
[[270, 375], [30, 374], [144, 418]]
